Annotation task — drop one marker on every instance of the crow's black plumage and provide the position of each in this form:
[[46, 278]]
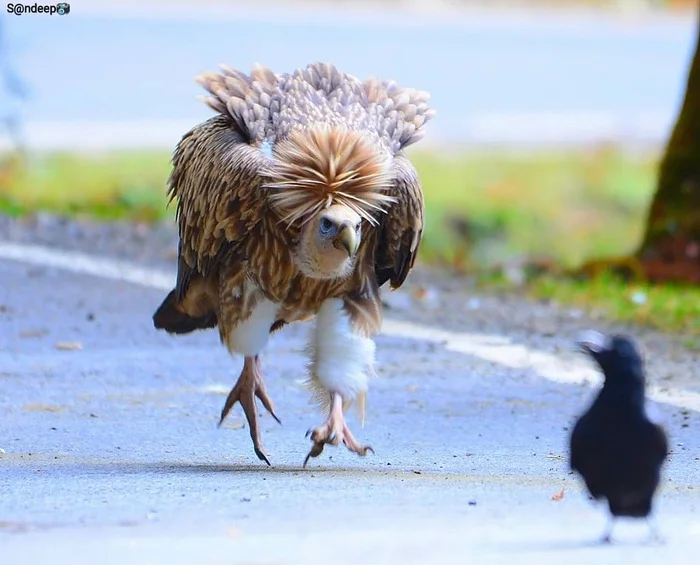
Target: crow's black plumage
[[615, 446]]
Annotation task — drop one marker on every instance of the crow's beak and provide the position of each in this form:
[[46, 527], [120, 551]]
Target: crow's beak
[[347, 239], [593, 342]]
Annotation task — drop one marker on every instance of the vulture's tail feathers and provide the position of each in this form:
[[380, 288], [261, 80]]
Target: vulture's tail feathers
[[171, 317]]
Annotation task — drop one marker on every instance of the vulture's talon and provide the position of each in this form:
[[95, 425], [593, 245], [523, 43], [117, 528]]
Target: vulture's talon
[[249, 386], [261, 393], [261, 455], [315, 451], [334, 431]]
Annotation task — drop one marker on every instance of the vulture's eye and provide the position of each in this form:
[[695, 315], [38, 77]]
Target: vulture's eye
[[326, 226]]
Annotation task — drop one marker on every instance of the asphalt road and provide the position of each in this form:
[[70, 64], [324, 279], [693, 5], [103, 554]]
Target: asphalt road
[[112, 454], [493, 78]]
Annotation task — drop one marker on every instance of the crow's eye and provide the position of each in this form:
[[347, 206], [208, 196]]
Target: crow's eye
[[326, 226]]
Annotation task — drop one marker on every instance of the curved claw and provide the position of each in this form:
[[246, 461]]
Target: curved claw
[[261, 455], [333, 431], [231, 399], [362, 450], [261, 393], [315, 451]]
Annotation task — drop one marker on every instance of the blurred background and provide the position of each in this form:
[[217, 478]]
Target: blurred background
[[552, 116]]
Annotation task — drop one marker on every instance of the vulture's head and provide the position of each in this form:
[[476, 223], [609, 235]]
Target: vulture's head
[[329, 243], [328, 183]]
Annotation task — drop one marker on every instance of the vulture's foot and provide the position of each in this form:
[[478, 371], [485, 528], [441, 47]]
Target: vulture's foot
[[333, 431], [249, 385]]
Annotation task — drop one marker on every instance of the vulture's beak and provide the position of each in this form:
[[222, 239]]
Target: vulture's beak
[[348, 239]]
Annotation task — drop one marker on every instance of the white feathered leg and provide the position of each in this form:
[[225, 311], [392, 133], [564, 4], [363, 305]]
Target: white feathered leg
[[342, 363], [248, 338]]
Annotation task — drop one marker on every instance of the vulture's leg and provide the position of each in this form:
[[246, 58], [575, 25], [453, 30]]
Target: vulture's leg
[[341, 365], [248, 337], [249, 386]]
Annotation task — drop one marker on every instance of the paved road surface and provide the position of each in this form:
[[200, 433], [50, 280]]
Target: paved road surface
[[113, 455], [493, 78]]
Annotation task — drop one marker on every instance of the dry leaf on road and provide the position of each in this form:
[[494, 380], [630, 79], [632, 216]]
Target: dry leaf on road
[[558, 496]]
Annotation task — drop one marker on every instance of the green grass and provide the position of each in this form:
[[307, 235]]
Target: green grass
[[568, 206], [482, 208], [110, 186], [664, 307]]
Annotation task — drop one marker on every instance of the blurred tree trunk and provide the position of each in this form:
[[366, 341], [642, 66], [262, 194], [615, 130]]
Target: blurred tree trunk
[[670, 249], [12, 93]]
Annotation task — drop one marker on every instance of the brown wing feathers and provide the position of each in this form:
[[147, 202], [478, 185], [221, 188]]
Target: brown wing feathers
[[399, 112], [400, 116], [246, 100], [402, 228], [217, 183]]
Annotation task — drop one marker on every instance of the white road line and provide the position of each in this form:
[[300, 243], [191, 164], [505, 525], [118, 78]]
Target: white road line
[[86, 264], [496, 349]]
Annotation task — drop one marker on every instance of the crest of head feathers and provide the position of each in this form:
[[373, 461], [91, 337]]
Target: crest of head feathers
[[317, 167]]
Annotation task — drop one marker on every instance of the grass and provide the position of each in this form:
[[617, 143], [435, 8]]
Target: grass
[[482, 208], [665, 307], [109, 186]]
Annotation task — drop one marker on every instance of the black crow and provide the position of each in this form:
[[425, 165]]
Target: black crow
[[615, 446]]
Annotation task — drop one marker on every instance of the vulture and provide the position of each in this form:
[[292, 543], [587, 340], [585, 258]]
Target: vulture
[[296, 202]]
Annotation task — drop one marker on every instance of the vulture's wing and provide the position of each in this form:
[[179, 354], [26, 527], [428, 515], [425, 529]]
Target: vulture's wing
[[402, 228], [216, 176], [400, 114]]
